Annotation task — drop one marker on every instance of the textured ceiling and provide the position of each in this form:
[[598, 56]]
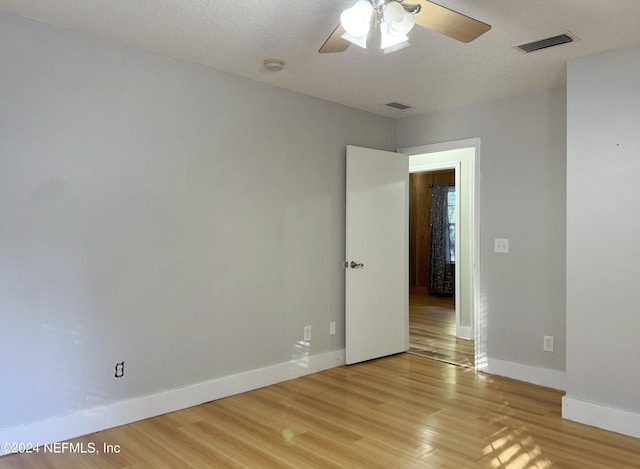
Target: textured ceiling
[[434, 73]]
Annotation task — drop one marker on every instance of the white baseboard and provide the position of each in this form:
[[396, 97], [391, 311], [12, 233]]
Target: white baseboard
[[531, 374], [121, 413], [596, 415]]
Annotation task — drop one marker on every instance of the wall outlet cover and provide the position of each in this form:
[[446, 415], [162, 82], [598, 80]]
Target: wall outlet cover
[[547, 344], [119, 370], [501, 245]]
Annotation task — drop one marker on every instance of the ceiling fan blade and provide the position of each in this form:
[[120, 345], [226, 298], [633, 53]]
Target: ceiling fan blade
[[449, 22], [334, 42]]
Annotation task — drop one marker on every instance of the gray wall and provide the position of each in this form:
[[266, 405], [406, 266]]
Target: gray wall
[[154, 211], [603, 229], [522, 197]]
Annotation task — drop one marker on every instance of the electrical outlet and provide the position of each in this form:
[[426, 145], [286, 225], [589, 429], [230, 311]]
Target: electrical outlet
[[547, 344], [501, 245], [307, 333], [332, 328], [119, 370]]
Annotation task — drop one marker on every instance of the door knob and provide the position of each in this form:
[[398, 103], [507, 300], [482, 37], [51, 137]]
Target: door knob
[[355, 265]]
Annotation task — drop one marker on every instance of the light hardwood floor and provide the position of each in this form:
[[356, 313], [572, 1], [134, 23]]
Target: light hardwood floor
[[432, 329], [397, 412]]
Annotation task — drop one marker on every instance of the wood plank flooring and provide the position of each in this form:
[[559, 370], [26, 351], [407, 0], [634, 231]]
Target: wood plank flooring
[[432, 329], [397, 412]]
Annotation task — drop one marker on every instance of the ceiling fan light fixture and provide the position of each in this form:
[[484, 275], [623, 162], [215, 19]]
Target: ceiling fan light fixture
[[389, 38], [380, 26], [393, 11], [400, 19], [360, 41], [403, 26], [357, 19]]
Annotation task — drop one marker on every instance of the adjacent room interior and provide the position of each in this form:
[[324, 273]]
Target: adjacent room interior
[[432, 231]]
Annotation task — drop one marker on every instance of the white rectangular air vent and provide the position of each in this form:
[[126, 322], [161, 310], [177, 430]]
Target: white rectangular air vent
[[563, 38]]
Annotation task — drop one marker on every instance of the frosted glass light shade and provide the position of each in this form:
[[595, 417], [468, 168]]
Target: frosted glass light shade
[[360, 41], [357, 19], [393, 11], [403, 26], [389, 40]]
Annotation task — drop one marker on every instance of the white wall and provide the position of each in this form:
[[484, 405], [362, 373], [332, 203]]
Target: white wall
[[158, 212], [603, 229], [522, 197]]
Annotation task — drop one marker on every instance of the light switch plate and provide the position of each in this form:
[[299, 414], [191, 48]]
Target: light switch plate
[[501, 245]]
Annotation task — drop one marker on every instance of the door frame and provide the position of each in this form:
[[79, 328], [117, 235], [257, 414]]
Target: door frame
[[478, 310]]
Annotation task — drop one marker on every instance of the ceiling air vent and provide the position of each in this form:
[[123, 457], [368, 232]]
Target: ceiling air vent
[[563, 38], [398, 106]]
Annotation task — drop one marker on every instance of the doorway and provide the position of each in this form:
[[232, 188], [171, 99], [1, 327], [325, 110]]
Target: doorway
[[445, 326], [432, 256]]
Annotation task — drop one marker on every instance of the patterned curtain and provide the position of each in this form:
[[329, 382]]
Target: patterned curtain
[[441, 272]]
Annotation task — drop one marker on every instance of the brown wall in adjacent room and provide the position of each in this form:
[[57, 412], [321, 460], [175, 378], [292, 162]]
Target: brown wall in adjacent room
[[419, 212]]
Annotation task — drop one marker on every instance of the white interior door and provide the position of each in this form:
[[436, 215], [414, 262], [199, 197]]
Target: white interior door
[[377, 254]]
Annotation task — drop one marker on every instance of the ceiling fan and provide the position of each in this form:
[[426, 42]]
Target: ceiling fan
[[384, 24]]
